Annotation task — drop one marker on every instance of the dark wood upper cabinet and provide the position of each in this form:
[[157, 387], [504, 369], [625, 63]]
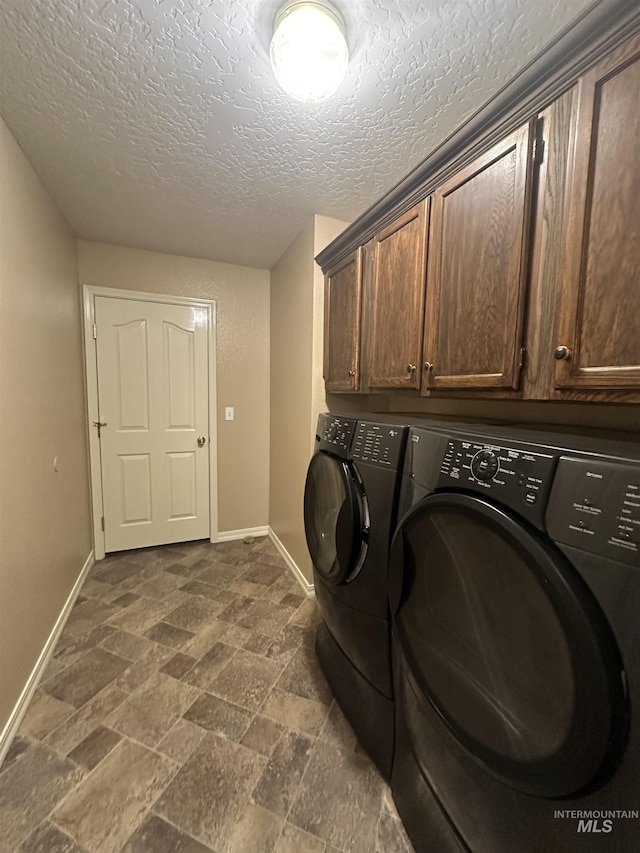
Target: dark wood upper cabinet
[[534, 243], [395, 301], [598, 343], [342, 303], [478, 270]]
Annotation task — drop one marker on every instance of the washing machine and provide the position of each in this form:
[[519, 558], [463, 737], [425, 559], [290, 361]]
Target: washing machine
[[514, 589], [350, 504]]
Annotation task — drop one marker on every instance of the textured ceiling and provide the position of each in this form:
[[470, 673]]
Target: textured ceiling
[[158, 123]]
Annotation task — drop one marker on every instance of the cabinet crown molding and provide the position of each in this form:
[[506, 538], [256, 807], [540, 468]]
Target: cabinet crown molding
[[601, 28]]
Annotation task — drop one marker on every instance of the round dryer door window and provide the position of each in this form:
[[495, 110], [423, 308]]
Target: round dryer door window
[[335, 518], [505, 641]]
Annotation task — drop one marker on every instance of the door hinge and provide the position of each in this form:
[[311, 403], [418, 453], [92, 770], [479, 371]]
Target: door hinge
[[523, 357], [95, 332], [102, 523], [538, 151]]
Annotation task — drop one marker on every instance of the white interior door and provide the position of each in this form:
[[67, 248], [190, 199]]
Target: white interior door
[[152, 364]]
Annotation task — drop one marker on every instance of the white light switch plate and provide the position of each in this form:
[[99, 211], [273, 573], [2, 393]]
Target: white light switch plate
[[228, 413]]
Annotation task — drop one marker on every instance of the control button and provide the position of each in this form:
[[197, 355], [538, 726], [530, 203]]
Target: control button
[[484, 465], [619, 542], [521, 480], [530, 497], [581, 527]]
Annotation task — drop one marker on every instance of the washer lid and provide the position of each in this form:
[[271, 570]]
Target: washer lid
[[508, 645], [335, 519]]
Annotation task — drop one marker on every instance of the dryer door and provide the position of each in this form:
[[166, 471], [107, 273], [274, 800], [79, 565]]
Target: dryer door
[[504, 641], [336, 520]]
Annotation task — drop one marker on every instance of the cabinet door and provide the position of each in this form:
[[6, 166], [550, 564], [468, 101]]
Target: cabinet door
[[477, 270], [396, 308], [342, 303], [598, 344]]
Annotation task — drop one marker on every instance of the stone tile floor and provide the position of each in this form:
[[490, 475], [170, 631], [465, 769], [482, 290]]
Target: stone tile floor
[[184, 711]]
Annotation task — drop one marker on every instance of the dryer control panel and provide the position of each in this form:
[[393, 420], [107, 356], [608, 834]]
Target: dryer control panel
[[379, 444], [595, 506], [518, 478]]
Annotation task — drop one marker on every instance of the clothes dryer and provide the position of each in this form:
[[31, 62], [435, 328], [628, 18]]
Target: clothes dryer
[[350, 505], [514, 584]]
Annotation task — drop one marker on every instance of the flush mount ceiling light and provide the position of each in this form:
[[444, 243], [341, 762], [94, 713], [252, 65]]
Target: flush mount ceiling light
[[309, 52]]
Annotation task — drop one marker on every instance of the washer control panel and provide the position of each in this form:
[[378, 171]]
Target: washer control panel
[[485, 465], [595, 506], [379, 444], [335, 434], [519, 479]]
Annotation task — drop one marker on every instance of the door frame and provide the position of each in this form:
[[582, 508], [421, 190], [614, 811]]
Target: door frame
[[89, 292]]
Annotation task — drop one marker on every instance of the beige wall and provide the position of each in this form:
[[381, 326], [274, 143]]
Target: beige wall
[[291, 349], [297, 389], [242, 309], [45, 536]]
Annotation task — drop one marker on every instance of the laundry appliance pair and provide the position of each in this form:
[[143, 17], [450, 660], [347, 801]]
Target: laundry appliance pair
[[513, 582]]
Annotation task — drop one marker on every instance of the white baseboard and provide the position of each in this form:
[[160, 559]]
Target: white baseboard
[[308, 588], [230, 535], [20, 709]]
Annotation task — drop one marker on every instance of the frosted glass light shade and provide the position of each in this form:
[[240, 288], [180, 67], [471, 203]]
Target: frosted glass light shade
[[309, 53]]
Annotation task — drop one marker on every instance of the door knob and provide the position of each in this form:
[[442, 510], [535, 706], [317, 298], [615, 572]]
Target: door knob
[[202, 441]]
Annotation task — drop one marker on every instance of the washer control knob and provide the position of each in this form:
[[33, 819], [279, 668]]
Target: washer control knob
[[485, 465]]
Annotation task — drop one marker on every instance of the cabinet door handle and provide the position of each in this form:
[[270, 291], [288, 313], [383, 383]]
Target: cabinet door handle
[[411, 368], [352, 373], [427, 366], [561, 353]]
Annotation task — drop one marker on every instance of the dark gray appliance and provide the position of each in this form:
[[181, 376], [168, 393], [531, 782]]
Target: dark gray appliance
[[350, 505], [514, 587]]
